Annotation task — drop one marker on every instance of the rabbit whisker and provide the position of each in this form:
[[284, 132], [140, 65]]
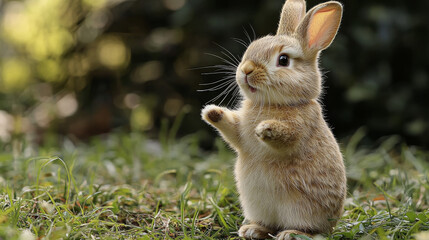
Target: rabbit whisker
[[223, 59], [224, 92], [231, 89], [229, 78], [228, 68], [253, 31], [234, 97], [224, 67], [218, 72], [240, 41], [220, 86], [231, 56], [247, 35]]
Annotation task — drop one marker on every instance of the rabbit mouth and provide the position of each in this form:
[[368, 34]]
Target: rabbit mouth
[[252, 89]]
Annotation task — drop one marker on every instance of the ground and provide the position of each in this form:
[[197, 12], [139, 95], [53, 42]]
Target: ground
[[125, 186]]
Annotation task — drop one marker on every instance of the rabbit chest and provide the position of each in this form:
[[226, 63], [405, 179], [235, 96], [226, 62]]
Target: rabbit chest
[[251, 117]]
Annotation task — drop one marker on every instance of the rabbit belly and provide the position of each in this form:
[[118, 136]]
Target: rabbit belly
[[266, 201]]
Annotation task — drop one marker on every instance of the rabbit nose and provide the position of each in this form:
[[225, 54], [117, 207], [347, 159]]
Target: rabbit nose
[[248, 67]]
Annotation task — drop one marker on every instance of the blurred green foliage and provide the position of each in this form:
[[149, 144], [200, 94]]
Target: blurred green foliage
[[85, 67]]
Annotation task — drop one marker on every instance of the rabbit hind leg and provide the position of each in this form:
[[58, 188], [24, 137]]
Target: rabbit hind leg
[[255, 231], [291, 235]]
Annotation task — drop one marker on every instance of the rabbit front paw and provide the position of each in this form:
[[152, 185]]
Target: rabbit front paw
[[212, 113], [266, 131]]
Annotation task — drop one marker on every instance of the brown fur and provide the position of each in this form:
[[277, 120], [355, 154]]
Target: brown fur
[[289, 170]]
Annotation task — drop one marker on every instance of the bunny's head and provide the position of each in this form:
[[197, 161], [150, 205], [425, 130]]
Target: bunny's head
[[283, 69]]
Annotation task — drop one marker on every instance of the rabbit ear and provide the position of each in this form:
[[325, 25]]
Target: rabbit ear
[[319, 27], [292, 13]]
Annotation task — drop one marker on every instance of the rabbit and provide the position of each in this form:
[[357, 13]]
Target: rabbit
[[289, 170]]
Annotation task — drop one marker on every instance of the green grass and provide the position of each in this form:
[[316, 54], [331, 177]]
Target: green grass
[[124, 186]]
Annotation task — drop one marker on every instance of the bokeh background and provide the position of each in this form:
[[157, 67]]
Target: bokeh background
[[79, 68]]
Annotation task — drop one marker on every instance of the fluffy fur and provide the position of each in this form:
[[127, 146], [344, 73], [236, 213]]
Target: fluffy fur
[[289, 170]]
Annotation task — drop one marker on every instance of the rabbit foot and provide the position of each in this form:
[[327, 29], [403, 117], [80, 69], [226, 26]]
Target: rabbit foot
[[212, 113], [290, 235], [254, 231]]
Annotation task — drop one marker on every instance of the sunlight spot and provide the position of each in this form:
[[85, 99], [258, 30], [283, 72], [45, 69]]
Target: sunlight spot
[[132, 100], [58, 42], [15, 75], [50, 70], [78, 65], [43, 114], [160, 38], [113, 53], [93, 26], [141, 118], [21, 124], [416, 127], [172, 106], [148, 71], [67, 105], [16, 24], [38, 48], [174, 4], [95, 3], [6, 126], [38, 27]]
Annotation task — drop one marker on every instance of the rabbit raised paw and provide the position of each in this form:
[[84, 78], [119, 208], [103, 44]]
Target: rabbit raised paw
[[289, 170], [273, 132]]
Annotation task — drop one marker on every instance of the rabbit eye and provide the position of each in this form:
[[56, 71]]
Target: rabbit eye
[[283, 60]]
